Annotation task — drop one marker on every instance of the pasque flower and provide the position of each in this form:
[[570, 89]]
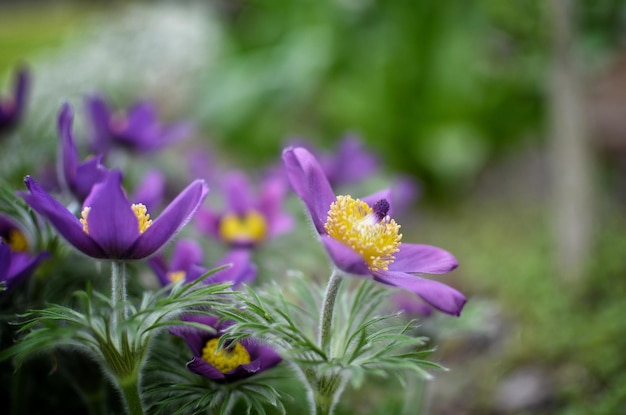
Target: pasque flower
[[362, 239], [16, 261], [78, 177], [110, 227], [12, 106], [234, 362], [186, 264], [138, 129], [248, 218]]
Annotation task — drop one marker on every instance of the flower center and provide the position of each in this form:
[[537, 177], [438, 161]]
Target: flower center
[[140, 211], [250, 227], [368, 231], [17, 241], [175, 276], [143, 217], [226, 359]]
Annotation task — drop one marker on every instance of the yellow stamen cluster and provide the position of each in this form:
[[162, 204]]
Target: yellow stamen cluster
[[143, 217], [83, 219], [175, 276], [251, 227], [227, 358], [352, 222], [17, 241], [140, 211]]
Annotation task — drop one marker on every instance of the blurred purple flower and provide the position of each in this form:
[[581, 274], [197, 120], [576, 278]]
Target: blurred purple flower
[[362, 239], [16, 262], [349, 163], [78, 178], [151, 190], [247, 219], [186, 264], [236, 361], [112, 228], [139, 129], [12, 106]]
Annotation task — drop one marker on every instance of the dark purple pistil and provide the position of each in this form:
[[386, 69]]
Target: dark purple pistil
[[380, 209]]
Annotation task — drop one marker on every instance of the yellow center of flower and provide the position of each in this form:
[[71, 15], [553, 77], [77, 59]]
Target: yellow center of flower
[[175, 276], [143, 217], [227, 358], [140, 211], [17, 241], [250, 227], [83, 219], [354, 223]]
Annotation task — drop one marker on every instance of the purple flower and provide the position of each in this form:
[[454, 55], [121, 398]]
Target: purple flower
[[362, 239], [139, 129], [234, 362], [248, 219], [12, 106], [16, 263], [78, 178], [186, 264], [350, 162], [110, 227]]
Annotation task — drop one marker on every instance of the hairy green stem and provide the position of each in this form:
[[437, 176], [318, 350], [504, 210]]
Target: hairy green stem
[[130, 390], [328, 308], [118, 293]]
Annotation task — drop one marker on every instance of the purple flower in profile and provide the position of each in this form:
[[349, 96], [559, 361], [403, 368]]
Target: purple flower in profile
[[247, 219], [236, 361], [139, 129], [12, 106], [110, 227], [79, 178], [186, 264], [16, 262], [362, 239]]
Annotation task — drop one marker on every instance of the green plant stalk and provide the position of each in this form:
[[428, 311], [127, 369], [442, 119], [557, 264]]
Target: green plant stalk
[[130, 390], [326, 387], [328, 309], [118, 293]]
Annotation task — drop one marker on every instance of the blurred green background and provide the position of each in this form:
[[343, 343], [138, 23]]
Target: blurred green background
[[455, 94]]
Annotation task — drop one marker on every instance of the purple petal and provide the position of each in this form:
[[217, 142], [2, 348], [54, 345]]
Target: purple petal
[[171, 220], [69, 155], [344, 257], [262, 356], [87, 175], [435, 293], [271, 202], [199, 366], [423, 259], [353, 162], [111, 221], [194, 337], [150, 191], [208, 222], [186, 253], [309, 182], [99, 114], [65, 223], [241, 271], [22, 266], [5, 260], [239, 195], [21, 89], [176, 132]]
